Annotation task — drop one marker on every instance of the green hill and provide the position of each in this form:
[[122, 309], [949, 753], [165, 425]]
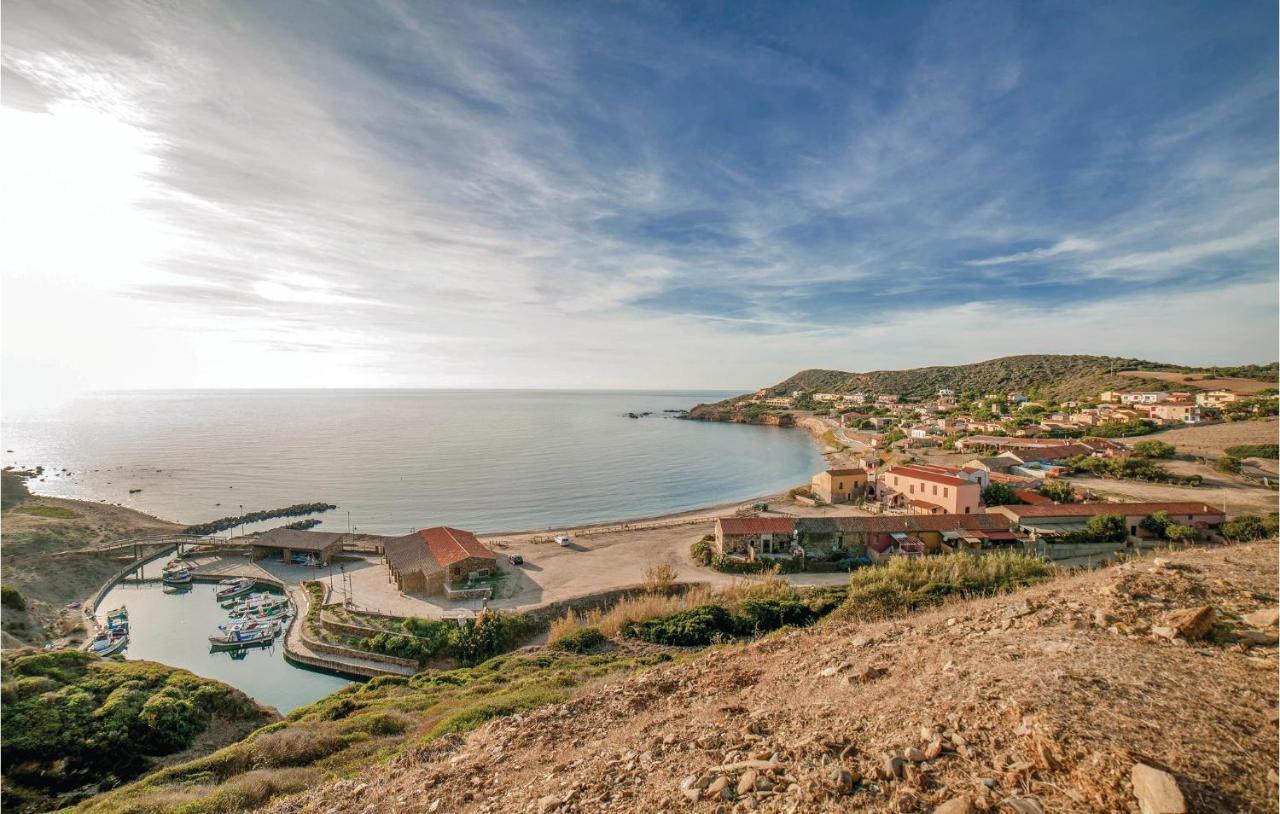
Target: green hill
[[1038, 375]]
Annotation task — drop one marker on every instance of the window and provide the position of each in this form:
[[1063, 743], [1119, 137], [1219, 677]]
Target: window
[[935, 488], [944, 491], [966, 509]]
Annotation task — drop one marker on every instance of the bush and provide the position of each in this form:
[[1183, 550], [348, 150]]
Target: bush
[[701, 551], [1107, 528], [294, 746], [580, 640], [1154, 449], [659, 577], [696, 627], [999, 494], [1059, 491], [1249, 527], [907, 583], [1228, 464], [1131, 468], [762, 615], [729, 565], [1156, 524], [1254, 451], [12, 598], [1123, 429], [1178, 533]]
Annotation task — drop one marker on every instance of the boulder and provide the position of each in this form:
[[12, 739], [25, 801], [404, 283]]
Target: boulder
[[956, 805], [1265, 618], [1192, 623], [1157, 791]]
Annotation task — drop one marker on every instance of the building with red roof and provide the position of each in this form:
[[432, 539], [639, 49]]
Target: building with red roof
[[925, 491], [428, 559], [748, 538]]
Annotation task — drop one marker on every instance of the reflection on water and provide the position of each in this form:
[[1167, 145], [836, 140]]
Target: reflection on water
[[173, 628]]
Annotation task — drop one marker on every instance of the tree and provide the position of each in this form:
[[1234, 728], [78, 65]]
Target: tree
[[1154, 449], [999, 494], [1156, 524], [1059, 491], [1178, 533], [1245, 527], [1107, 528]]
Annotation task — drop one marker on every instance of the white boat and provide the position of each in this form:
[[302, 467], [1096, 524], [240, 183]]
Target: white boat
[[254, 637], [231, 588], [108, 643], [178, 577], [262, 612], [271, 626], [261, 601]]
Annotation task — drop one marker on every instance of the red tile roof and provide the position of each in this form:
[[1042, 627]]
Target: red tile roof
[[756, 525], [1091, 509], [924, 474], [908, 523], [448, 545]]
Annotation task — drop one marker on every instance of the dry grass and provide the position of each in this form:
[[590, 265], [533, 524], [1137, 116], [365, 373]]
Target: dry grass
[[660, 577], [294, 746]]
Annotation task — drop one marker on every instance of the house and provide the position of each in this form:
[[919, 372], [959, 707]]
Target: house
[[883, 536], [748, 538], [1214, 398], [886, 400], [1150, 397], [827, 398], [946, 399], [428, 559], [925, 492], [839, 485], [1060, 517], [1186, 412], [778, 401]]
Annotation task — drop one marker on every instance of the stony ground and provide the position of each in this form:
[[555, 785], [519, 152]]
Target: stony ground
[[1055, 699]]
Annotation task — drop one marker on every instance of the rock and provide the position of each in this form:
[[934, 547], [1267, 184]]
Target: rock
[[1025, 805], [866, 674], [891, 767], [689, 788], [914, 755], [1265, 618], [843, 780], [548, 803], [1102, 619], [1258, 637], [956, 805], [1192, 623], [718, 785], [1020, 609], [1164, 632], [934, 749], [1157, 791], [747, 783]]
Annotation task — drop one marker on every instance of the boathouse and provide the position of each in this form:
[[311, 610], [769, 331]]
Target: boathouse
[[324, 545]]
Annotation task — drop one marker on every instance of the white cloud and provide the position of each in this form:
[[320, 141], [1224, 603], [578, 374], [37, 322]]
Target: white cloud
[[1068, 245]]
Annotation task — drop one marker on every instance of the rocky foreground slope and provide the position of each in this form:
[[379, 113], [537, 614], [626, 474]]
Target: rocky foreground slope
[[1057, 698]]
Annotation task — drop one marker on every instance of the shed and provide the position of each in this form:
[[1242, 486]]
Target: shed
[[323, 544]]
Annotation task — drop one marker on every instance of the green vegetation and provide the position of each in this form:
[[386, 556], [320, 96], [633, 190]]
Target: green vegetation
[[729, 565], [711, 623], [1059, 491], [1107, 528], [999, 494], [1123, 429], [907, 583], [1154, 449], [13, 487], [1260, 406], [580, 640], [1254, 451], [12, 598], [1162, 526], [224, 523], [1131, 468], [1227, 464], [51, 512], [701, 551], [468, 643], [360, 725], [71, 719], [1251, 527]]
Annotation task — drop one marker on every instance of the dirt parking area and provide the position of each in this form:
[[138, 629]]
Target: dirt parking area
[[1211, 440], [1217, 489]]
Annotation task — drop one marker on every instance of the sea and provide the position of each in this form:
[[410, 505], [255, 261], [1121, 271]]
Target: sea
[[393, 461]]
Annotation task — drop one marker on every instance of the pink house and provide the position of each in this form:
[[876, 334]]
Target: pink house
[[924, 492]]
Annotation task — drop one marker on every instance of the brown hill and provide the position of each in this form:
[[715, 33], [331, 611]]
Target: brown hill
[[1044, 700]]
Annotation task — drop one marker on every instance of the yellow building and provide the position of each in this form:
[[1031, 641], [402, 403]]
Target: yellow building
[[839, 485]]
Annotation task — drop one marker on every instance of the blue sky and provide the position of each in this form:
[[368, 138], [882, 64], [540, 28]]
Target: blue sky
[[639, 194]]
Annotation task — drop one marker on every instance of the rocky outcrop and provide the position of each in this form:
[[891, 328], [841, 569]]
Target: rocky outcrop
[[717, 412]]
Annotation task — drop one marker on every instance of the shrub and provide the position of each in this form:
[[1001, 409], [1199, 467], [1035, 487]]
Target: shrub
[[906, 583], [701, 551], [1178, 533], [1059, 491], [659, 577], [295, 746], [1107, 528], [695, 627], [761, 615], [1154, 449], [12, 598], [1156, 524], [1131, 468], [999, 494], [1249, 527], [580, 640], [1254, 451], [1228, 464]]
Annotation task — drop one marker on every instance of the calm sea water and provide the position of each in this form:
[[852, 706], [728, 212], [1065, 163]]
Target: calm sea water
[[174, 628], [397, 460]]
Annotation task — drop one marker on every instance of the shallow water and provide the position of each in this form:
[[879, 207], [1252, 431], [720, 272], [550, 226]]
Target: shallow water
[[398, 460], [174, 628]]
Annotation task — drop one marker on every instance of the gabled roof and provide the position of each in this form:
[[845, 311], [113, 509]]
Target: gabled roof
[[756, 525], [924, 474], [434, 549], [299, 540], [853, 470]]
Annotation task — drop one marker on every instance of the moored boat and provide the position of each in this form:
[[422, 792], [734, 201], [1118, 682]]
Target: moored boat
[[178, 577], [231, 588], [108, 643], [253, 637]]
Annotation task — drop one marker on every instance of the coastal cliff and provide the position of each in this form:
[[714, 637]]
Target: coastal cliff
[[719, 412]]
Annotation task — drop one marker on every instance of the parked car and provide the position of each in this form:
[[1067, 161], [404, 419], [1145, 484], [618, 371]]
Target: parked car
[[563, 540], [515, 559]]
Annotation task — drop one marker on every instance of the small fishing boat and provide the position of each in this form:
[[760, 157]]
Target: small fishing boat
[[178, 577], [254, 637], [108, 643], [231, 588], [271, 626], [118, 619], [264, 612], [260, 602], [177, 564]]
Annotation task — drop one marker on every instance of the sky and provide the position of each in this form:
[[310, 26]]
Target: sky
[[626, 195]]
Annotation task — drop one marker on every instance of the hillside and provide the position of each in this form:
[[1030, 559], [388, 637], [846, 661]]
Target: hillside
[[1051, 697], [1039, 375]]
